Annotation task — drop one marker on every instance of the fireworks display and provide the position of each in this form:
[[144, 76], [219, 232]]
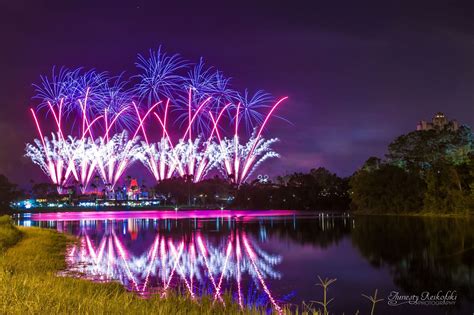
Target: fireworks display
[[176, 118]]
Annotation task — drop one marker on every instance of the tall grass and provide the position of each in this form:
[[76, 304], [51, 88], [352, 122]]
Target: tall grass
[[9, 235]]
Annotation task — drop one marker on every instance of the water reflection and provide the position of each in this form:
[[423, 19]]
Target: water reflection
[[198, 263], [273, 260], [430, 253]]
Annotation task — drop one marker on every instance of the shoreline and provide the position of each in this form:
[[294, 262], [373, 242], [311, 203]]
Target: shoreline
[[198, 211], [157, 214], [420, 215]]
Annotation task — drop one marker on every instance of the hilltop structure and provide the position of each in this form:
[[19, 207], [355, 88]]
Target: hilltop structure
[[438, 122]]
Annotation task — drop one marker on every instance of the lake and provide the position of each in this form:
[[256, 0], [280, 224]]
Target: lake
[[273, 258]]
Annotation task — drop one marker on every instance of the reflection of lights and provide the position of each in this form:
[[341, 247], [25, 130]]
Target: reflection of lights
[[204, 256], [253, 256], [263, 233], [153, 256], [177, 256], [168, 263], [124, 257], [175, 264], [218, 289], [238, 254]]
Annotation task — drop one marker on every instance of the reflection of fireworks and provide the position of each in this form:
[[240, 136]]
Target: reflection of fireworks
[[102, 108], [171, 262]]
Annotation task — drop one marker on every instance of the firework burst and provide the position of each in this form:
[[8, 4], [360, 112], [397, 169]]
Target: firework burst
[[159, 78], [113, 121]]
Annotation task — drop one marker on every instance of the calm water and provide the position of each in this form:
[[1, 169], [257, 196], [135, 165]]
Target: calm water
[[273, 258]]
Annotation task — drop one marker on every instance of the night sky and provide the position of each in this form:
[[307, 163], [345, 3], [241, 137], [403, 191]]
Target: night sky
[[358, 74]]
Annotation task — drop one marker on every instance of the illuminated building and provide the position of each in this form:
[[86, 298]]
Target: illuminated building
[[133, 189]]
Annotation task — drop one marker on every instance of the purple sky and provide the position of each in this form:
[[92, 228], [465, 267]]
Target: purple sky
[[357, 73]]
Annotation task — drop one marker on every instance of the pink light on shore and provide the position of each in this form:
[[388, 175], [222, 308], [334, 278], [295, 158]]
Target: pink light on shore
[[161, 214]]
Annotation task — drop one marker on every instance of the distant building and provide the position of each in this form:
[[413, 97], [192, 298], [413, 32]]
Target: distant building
[[438, 122], [133, 190]]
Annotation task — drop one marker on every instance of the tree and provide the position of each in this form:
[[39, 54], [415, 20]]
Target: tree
[[212, 190], [373, 163], [175, 187], [447, 191], [387, 189], [471, 175], [317, 190], [328, 191], [8, 192], [421, 150], [443, 159], [43, 190]]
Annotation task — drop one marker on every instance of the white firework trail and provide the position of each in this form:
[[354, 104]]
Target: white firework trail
[[239, 161], [84, 162], [197, 158], [115, 155], [159, 158], [53, 157]]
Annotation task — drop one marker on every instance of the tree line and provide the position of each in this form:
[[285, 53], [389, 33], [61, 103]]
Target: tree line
[[424, 171]]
